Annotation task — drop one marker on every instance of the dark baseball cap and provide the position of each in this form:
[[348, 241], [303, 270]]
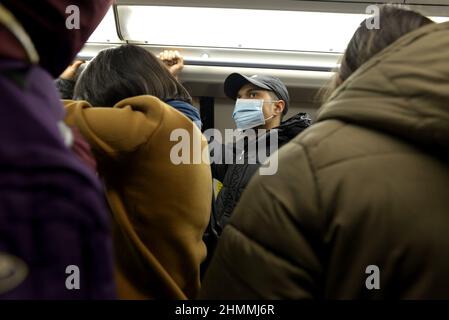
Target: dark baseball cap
[[236, 81]]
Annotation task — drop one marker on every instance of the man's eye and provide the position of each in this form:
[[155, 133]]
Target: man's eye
[[253, 95]]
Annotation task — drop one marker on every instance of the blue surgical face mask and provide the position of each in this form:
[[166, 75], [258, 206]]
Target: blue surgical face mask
[[248, 113]]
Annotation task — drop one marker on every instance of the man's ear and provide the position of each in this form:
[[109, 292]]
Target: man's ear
[[279, 107]]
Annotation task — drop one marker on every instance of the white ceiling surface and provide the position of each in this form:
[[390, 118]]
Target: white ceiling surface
[[279, 40]]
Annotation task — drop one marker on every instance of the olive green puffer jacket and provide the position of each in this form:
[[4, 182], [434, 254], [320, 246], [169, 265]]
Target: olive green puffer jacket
[[360, 205]]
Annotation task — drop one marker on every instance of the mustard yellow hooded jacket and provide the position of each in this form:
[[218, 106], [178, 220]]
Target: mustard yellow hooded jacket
[[160, 209]]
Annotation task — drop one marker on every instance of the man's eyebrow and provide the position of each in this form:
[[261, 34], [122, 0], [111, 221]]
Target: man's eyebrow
[[249, 90]]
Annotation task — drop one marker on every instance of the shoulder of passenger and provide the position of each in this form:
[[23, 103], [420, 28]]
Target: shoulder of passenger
[[142, 104], [134, 108], [334, 141], [319, 132], [312, 145]]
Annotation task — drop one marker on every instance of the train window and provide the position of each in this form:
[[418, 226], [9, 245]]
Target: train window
[[106, 31], [230, 28], [440, 19], [239, 28]]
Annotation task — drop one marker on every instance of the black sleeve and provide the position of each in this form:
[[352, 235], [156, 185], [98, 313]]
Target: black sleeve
[[210, 237], [218, 169], [65, 88]]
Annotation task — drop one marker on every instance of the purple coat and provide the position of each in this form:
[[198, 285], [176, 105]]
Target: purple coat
[[52, 211]]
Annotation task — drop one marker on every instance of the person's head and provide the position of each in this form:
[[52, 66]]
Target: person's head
[[395, 22], [127, 71], [270, 95]]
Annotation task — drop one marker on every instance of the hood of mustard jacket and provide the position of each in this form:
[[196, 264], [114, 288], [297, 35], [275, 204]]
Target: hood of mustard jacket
[[160, 208], [360, 205]]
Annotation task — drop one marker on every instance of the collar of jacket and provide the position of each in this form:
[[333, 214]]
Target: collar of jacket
[[402, 91], [293, 126], [287, 130]]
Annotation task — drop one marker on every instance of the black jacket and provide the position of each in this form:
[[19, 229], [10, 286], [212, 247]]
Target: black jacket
[[235, 177]]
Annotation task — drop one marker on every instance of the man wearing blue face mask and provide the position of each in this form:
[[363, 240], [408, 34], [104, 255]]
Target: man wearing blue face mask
[[261, 103]]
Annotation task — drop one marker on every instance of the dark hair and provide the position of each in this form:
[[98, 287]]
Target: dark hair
[[395, 22], [127, 71]]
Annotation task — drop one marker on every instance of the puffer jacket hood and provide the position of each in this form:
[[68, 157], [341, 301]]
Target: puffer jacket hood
[[402, 91], [47, 23]]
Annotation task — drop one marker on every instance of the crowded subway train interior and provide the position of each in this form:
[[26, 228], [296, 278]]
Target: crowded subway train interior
[[233, 149]]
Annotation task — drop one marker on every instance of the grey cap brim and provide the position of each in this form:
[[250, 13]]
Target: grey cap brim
[[235, 81]]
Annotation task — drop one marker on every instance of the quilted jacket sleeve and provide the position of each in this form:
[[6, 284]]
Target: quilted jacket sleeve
[[269, 249]]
